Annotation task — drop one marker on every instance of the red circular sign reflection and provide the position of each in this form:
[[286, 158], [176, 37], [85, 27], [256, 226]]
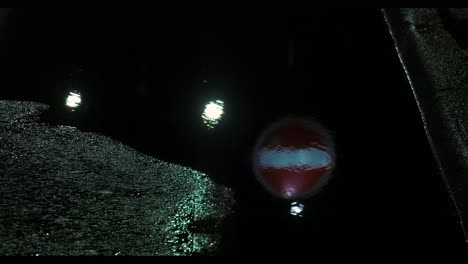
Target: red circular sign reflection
[[294, 158]]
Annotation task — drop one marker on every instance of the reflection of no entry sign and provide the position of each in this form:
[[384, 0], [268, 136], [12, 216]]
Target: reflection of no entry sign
[[294, 157]]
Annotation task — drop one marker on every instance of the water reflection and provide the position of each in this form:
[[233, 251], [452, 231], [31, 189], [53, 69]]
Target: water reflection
[[213, 113], [294, 158], [296, 209], [310, 158], [73, 100]]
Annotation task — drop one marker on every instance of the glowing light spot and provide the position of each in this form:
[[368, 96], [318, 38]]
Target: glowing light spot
[[73, 100], [296, 209], [213, 113]]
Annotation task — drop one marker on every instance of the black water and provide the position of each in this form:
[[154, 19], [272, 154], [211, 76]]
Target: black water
[[144, 76]]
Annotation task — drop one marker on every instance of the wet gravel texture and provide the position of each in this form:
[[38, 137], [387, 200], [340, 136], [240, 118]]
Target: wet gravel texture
[[68, 192], [437, 69]]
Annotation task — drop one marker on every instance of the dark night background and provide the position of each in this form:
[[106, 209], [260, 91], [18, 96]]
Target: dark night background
[[141, 75]]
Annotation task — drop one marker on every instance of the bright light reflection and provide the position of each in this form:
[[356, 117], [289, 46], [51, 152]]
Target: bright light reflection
[[73, 100], [213, 113], [296, 209]]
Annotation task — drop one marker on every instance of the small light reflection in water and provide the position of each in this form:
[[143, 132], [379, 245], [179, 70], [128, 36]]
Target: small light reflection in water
[[296, 209], [213, 113], [73, 100]]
